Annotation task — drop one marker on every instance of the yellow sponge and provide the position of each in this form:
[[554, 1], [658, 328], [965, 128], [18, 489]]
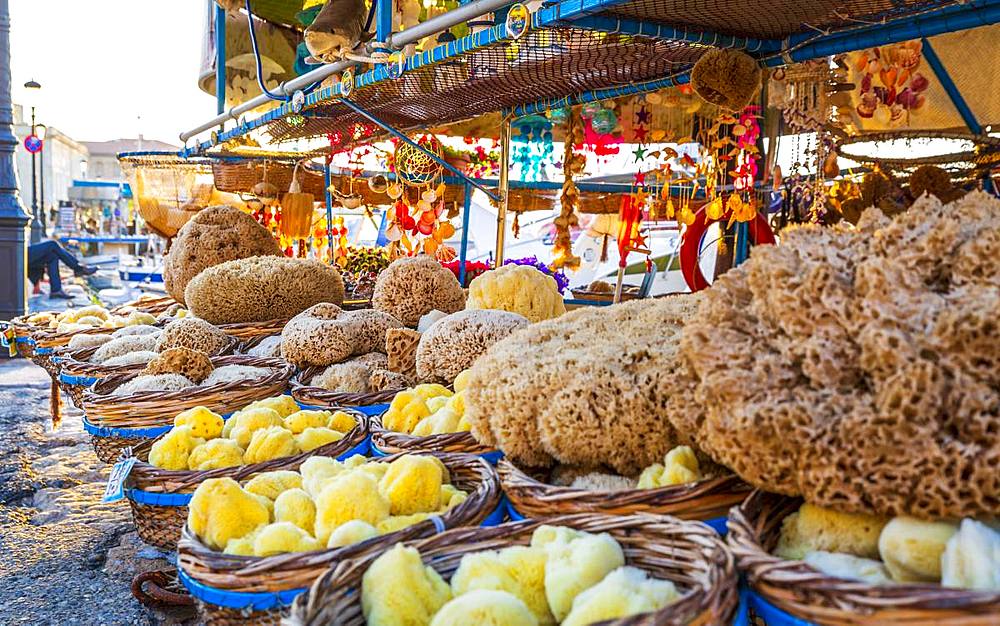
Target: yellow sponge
[[273, 442], [815, 528], [412, 484]]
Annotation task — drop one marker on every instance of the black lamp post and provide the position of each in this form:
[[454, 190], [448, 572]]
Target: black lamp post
[[37, 225]]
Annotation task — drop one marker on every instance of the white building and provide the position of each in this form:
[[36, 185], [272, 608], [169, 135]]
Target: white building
[[61, 161]]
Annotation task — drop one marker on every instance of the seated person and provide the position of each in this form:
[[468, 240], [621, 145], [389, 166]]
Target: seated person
[[46, 255]]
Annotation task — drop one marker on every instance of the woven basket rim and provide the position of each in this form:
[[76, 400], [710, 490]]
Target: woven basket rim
[[702, 499], [317, 396], [392, 441], [296, 570], [76, 362], [689, 553], [805, 592], [157, 480], [251, 330]]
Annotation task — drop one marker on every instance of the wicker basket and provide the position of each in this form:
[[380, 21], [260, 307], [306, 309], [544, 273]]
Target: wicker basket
[[791, 591], [119, 422], [147, 304], [169, 190], [251, 330], [687, 553], [371, 403], [23, 331], [250, 590], [705, 500], [385, 441], [241, 176], [159, 497]]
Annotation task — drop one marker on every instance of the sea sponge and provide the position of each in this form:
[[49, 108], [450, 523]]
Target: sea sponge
[[273, 484], [241, 426], [140, 357], [285, 405], [933, 180], [440, 422], [242, 546], [484, 607], [911, 549], [307, 418], [405, 411], [727, 78], [413, 286], [520, 289], [159, 382], [575, 561], [214, 454], [399, 589], [269, 347], [401, 348], [171, 451], [398, 522], [625, 591], [225, 374], [813, 528], [848, 566], [518, 570], [454, 342], [858, 369], [971, 559], [452, 496], [193, 333], [140, 318], [88, 341], [349, 496], [600, 481], [679, 466], [412, 484], [383, 380], [141, 329], [312, 438], [524, 397], [318, 471], [282, 537], [192, 364], [121, 346], [349, 533], [344, 377], [325, 334], [262, 288], [214, 235], [273, 442], [295, 506], [221, 510], [342, 421], [203, 422]]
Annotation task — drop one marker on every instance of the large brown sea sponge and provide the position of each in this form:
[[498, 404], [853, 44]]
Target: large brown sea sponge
[[191, 364], [414, 286], [726, 78], [454, 342], [262, 288], [215, 235], [325, 334], [588, 388], [194, 334], [860, 370]]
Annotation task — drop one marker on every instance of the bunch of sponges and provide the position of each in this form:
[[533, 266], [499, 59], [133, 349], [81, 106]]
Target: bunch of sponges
[[429, 409], [565, 576], [520, 289], [880, 550], [327, 503], [94, 316], [267, 429]]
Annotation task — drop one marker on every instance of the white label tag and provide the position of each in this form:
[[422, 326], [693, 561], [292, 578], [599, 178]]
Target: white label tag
[[116, 482]]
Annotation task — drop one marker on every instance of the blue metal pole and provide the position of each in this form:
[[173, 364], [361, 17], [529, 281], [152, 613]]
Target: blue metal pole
[[220, 60], [383, 21], [742, 252], [601, 94], [949, 87], [463, 252], [329, 207]]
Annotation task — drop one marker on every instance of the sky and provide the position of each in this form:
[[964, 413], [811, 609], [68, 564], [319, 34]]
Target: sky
[[111, 68]]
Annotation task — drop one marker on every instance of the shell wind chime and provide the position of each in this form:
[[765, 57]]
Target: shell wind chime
[[569, 199], [418, 221]]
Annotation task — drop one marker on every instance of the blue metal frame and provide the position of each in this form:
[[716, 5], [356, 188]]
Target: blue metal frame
[[329, 207], [383, 21], [463, 251], [949, 87], [220, 59]]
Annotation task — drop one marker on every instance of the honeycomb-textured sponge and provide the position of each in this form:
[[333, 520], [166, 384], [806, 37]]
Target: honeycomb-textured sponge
[[262, 288], [726, 78], [325, 334], [401, 348], [214, 235], [414, 286], [528, 393], [192, 333], [860, 369], [120, 346], [192, 364], [454, 342]]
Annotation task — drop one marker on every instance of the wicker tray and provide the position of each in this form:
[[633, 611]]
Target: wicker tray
[[159, 497], [306, 394], [265, 586], [807, 594], [153, 306], [706, 500], [251, 330], [119, 422], [387, 441], [688, 553]]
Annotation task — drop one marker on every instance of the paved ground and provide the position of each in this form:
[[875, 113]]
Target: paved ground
[[65, 557]]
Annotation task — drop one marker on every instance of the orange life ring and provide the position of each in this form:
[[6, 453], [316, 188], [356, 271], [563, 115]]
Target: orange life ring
[[760, 234]]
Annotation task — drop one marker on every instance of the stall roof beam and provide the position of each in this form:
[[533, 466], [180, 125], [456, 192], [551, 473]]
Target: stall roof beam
[[950, 88]]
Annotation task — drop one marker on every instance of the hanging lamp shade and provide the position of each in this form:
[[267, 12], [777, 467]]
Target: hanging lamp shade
[[296, 210]]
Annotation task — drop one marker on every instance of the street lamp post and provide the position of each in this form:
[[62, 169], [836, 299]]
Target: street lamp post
[[40, 131], [37, 226]]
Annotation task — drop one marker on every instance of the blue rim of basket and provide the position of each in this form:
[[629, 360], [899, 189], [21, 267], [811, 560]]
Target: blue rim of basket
[[770, 614], [129, 433], [718, 524], [182, 499], [43, 351], [27, 340], [83, 381], [368, 410], [492, 457], [264, 600]]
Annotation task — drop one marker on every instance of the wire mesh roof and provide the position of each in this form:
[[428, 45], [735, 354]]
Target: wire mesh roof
[[774, 19]]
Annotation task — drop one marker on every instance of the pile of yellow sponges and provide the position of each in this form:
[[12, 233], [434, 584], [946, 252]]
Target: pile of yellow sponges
[[429, 409], [565, 576], [266, 429], [327, 503], [95, 316]]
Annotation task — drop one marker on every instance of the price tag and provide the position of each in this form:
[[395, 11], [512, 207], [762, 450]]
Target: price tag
[[115, 490]]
